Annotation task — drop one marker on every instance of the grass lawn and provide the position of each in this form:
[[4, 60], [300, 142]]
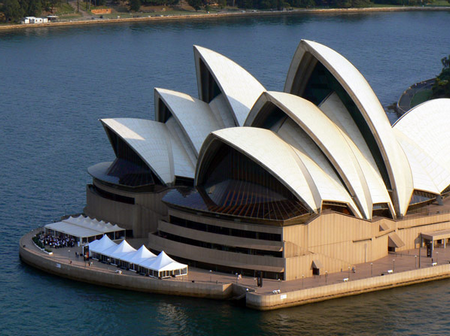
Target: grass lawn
[[440, 3], [64, 9], [420, 97]]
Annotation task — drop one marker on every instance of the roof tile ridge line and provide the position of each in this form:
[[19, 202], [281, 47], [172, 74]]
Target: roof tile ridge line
[[181, 125], [272, 172], [197, 51], [105, 124]]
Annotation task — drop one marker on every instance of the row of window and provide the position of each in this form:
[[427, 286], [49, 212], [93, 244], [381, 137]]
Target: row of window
[[223, 230], [111, 196], [219, 247], [231, 270]]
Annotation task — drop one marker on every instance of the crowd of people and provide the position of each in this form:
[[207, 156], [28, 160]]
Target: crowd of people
[[57, 241]]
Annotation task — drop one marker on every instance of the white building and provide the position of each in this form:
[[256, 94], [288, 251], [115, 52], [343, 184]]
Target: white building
[[34, 20]]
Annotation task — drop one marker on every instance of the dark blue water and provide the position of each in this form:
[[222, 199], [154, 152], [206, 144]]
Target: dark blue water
[[56, 83]]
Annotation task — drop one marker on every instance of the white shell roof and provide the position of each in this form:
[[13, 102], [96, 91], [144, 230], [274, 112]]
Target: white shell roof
[[423, 134], [240, 88], [326, 188], [151, 140], [222, 111], [333, 107], [269, 151], [359, 177], [425, 169], [368, 104], [183, 155], [194, 116]]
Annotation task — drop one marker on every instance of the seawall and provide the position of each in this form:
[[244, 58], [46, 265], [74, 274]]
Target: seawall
[[225, 288], [33, 257], [355, 287]]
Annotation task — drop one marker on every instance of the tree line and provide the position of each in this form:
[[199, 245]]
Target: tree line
[[441, 87], [14, 10], [280, 4]]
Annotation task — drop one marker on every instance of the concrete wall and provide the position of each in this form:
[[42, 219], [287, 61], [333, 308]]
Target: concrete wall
[[205, 255], [121, 281], [336, 240], [123, 214], [409, 230], [297, 267], [226, 223], [300, 297], [142, 217], [220, 239]]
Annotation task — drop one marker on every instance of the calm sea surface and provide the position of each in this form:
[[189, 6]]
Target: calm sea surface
[[56, 83]]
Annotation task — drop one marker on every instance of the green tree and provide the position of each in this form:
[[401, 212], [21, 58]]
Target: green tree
[[135, 5], [34, 8], [441, 87], [12, 10], [197, 4]]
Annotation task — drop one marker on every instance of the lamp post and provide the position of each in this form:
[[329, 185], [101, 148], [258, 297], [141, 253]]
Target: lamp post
[[415, 261], [326, 277], [371, 269], [210, 276], [349, 272], [303, 279], [437, 257], [393, 265]]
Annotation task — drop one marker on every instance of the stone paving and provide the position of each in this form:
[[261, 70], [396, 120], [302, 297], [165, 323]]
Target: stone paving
[[395, 262]]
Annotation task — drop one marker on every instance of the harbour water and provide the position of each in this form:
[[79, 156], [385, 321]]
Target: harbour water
[[56, 83]]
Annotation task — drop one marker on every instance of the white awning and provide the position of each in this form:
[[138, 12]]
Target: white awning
[[85, 227]]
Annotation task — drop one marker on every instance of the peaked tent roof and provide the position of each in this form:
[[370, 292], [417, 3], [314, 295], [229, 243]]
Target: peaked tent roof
[[139, 256], [164, 263], [101, 245], [122, 250]]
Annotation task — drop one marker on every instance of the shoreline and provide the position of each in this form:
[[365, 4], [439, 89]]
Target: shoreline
[[202, 16], [219, 286]]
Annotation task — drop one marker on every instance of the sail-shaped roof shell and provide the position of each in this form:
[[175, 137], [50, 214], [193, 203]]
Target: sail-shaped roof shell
[[423, 134], [194, 116], [345, 157], [239, 87], [394, 159], [269, 151], [155, 145]]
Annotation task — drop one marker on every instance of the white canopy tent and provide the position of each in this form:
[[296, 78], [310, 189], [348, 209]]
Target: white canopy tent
[[142, 260], [140, 256], [113, 231], [97, 247], [84, 229], [164, 267], [120, 252]]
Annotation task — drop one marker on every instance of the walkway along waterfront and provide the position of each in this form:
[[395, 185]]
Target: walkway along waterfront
[[400, 269]]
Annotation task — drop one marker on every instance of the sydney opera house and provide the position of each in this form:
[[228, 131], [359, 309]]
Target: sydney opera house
[[290, 184]]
